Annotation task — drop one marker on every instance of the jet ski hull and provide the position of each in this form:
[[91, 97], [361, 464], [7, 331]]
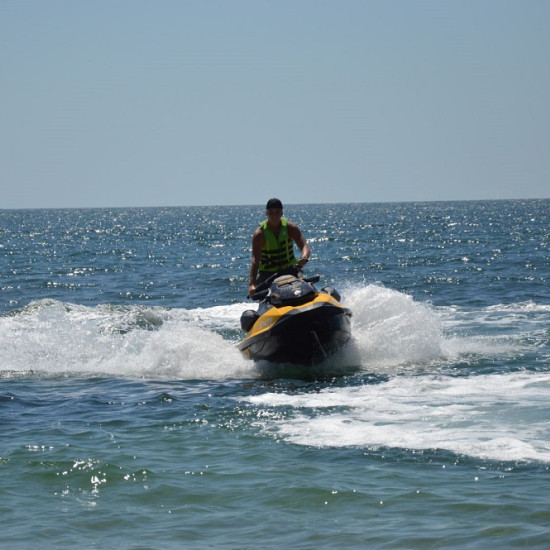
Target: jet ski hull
[[304, 334]]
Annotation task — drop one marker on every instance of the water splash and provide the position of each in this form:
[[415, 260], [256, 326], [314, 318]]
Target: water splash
[[497, 417], [55, 338], [391, 331]]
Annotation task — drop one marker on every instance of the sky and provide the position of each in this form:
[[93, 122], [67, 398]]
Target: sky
[[121, 103]]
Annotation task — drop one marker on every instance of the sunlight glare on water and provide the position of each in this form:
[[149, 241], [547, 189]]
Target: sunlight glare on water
[[131, 419]]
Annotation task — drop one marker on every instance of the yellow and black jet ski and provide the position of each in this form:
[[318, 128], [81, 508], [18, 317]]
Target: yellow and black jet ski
[[295, 323]]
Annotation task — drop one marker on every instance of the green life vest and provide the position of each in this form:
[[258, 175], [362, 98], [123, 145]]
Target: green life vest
[[277, 253]]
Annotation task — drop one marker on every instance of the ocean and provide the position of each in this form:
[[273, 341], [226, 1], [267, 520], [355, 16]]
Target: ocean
[[129, 419]]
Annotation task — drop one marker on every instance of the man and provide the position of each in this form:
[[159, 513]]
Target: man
[[272, 246]]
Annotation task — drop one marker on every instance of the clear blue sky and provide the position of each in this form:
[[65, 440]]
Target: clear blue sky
[[199, 102]]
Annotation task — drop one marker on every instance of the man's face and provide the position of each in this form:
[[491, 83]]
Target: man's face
[[274, 214]]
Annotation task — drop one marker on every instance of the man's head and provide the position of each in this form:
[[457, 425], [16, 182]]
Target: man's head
[[274, 212]]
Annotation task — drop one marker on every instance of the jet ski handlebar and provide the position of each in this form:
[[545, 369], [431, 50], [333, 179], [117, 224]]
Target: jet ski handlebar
[[263, 289], [260, 295]]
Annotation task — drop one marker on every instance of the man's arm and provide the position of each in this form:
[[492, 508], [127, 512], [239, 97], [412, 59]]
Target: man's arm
[[297, 236], [257, 243]]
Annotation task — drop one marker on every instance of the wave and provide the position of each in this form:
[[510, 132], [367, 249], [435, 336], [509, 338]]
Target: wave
[[56, 338], [392, 333], [496, 417]]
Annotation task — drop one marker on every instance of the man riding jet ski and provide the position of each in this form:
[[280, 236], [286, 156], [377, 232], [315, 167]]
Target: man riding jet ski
[[294, 323]]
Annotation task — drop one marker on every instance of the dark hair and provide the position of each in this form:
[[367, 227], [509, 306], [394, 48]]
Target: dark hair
[[274, 203]]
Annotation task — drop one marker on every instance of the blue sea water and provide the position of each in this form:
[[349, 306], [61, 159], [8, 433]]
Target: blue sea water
[[129, 419]]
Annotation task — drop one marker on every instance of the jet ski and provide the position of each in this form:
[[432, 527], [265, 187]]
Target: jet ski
[[295, 323]]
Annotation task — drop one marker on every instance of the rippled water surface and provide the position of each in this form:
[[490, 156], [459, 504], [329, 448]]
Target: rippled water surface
[[130, 420]]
